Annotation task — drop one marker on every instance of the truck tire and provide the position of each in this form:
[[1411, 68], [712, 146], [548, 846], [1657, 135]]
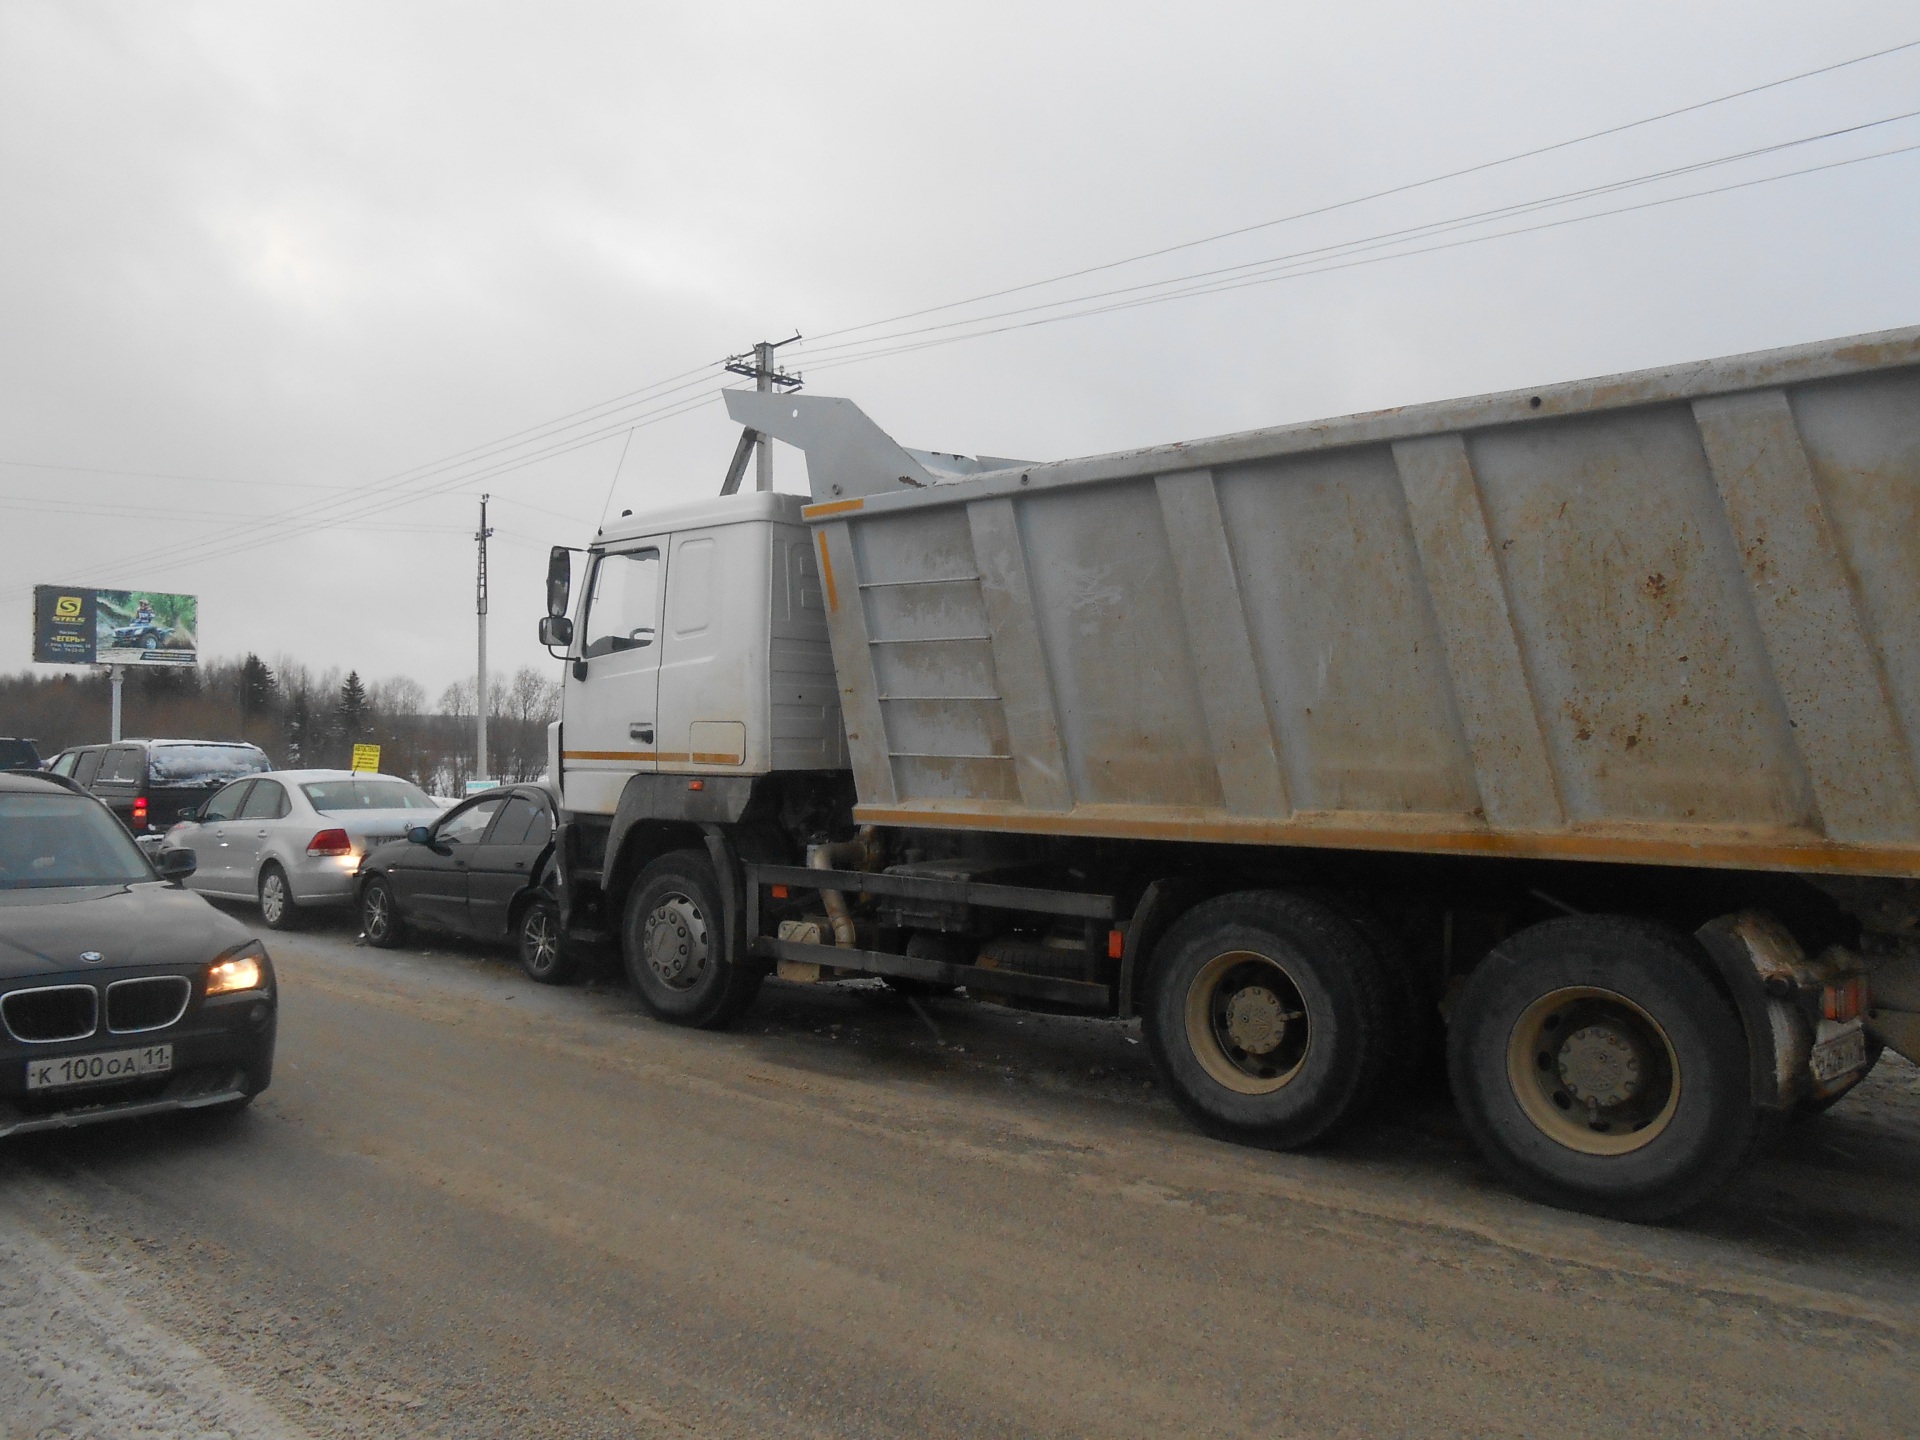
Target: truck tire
[[1267, 1016], [1598, 1069], [671, 940], [1417, 1047]]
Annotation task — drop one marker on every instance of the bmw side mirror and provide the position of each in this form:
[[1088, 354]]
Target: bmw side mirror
[[176, 865], [559, 582], [419, 835], [556, 630]]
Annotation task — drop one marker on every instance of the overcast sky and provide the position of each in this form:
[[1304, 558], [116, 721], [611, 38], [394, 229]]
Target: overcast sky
[[272, 258]]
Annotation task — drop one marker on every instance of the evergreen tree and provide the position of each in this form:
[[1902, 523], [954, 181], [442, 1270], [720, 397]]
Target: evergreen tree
[[302, 743], [352, 711], [256, 687]]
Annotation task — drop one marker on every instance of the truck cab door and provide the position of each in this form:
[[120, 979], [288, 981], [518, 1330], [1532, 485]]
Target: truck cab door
[[612, 687]]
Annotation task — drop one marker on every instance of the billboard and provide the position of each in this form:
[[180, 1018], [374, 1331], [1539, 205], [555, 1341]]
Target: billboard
[[80, 625]]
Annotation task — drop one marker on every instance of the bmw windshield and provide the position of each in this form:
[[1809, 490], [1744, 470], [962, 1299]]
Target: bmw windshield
[[55, 840]]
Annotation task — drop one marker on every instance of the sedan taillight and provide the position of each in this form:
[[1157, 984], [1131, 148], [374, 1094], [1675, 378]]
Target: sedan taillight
[[330, 842]]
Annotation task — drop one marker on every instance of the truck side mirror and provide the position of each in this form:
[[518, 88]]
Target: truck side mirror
[[559, 582], [556, 630]]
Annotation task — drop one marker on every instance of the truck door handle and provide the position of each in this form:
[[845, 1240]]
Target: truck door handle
[[642, 733]]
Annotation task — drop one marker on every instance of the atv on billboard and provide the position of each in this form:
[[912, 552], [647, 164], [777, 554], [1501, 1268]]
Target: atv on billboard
[[79, 625]]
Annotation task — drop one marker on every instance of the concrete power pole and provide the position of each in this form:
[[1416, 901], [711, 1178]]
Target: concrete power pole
[[763, 382], [766, 377], [480, 689]]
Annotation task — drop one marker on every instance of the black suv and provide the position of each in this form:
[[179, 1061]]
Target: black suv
[[17, 753], [121, 994], [151, 784]]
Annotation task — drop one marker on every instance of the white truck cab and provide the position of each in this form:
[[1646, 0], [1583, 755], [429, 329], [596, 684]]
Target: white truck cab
[[698, 647]]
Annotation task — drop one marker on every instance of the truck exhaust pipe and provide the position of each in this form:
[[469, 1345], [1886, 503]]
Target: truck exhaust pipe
[[860, 853]]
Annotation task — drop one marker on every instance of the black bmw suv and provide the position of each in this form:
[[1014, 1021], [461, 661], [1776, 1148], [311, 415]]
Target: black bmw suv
[[121, 994]]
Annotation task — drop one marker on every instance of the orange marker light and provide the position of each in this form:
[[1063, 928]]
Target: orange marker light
[[1844, 1001], [1116, 944], [779, 892], [696, 784]]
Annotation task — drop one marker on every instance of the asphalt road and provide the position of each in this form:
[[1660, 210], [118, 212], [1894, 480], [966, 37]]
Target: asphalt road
[[470, 1206]]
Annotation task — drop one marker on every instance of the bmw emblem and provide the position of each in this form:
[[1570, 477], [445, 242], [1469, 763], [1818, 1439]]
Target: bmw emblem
[[92, 957]]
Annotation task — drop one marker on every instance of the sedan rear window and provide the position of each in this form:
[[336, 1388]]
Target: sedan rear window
[[209, 765], [330, 796], [54, 840]]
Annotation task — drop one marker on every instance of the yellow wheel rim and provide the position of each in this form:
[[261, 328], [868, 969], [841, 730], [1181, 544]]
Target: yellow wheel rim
[[1594, 1071], [1247, 1022]]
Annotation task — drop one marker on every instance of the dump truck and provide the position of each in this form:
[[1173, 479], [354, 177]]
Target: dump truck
[[1556, 747]]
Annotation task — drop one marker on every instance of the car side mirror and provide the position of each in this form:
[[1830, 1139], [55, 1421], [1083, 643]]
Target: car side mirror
[[556, 630], [419, 835], [559, 582], [176, 865]]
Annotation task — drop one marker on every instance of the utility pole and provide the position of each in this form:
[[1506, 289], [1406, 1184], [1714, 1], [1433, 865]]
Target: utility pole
[[766, 377], [480, 689], [116, 679], [763, 453]]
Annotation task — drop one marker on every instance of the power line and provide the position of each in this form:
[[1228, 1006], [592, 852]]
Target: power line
[[260, 534], [1372, 241], [1401, 189], [1345, 264], [544, 441], [315, 517], [162, 475]]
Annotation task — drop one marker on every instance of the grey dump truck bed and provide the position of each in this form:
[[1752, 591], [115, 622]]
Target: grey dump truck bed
[[1670, 616]]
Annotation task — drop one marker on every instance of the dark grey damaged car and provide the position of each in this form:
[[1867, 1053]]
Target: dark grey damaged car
[[121, 994]]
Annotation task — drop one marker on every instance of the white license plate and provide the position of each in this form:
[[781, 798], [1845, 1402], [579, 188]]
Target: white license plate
[[99, 1069], [1834, 1058]]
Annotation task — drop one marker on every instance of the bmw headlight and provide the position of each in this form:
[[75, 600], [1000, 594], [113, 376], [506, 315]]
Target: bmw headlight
[[241, 968]]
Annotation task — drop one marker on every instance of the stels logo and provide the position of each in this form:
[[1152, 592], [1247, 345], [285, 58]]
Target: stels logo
[[68, 607]]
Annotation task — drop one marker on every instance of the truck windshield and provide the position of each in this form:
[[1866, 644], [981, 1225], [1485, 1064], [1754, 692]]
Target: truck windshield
[[329, 796], [58, 839], [623, 609]]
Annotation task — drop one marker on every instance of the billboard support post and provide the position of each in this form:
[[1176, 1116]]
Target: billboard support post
[[116, 679]]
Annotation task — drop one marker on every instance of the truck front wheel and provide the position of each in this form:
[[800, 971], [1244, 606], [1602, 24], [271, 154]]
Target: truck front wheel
[[673, 941], [1267, 1017], [1598, 1069]]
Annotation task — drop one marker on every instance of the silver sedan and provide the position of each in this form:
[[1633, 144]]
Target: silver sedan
[[291, 839]]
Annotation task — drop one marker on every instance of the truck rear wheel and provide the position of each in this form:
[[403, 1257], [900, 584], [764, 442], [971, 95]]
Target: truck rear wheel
[[1266, 1015], [1598, 1069], [673, 941]]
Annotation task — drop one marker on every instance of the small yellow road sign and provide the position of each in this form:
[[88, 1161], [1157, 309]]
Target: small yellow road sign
[[366, 757]]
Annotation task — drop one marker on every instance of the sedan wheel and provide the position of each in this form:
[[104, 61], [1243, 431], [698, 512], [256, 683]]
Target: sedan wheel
[[379, 918], [276, 899], [543, 953]]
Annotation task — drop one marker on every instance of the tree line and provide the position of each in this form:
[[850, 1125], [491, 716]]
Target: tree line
[[301, 718]]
